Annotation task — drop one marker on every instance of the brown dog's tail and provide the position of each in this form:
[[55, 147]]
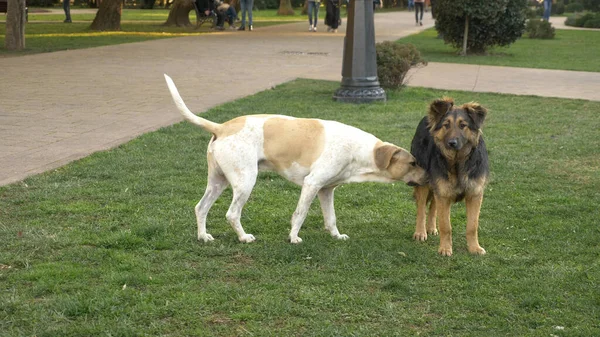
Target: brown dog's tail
[[187, 114]]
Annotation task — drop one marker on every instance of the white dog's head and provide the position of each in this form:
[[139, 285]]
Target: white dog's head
[[398, 164]]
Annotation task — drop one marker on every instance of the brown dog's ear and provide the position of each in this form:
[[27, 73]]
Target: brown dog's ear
[[438, 109], [384, 155], [476, 112]]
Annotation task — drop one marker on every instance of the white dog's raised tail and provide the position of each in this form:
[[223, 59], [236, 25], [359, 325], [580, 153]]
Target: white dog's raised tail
[[187, 114]]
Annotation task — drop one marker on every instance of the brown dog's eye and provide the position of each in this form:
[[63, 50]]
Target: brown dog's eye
[[413, 164], [462, 126]]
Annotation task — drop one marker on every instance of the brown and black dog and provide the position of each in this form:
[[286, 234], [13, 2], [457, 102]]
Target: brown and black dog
[[449, 145]]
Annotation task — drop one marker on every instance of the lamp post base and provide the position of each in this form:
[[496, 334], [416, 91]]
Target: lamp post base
[[359, 94]]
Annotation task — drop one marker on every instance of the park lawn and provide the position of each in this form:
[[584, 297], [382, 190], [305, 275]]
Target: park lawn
[[50, 37], [160, 15], [107, 245], [569, 50], [47, 33]]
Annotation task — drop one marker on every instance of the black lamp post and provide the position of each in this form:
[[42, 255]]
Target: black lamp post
[[359, 68]]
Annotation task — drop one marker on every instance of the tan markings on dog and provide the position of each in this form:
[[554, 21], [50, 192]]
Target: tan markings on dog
[[232, 127], [475, 186], [472, 136], [447, 188], [288, 141]]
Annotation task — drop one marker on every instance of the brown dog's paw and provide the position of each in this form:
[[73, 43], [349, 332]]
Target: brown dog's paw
[[420, 236], [477, 250], [445, 251], [433, 231]]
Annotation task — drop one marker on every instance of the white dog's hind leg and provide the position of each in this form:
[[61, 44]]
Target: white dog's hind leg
[[307, 195], [215, 186], [241, 192], [326, 200]]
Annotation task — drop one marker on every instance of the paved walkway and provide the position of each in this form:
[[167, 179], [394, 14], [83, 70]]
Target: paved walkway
[[62, 106]]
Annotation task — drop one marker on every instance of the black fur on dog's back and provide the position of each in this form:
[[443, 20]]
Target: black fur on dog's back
[[471, 166]]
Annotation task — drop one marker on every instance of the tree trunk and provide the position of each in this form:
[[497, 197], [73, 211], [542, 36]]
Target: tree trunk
[[285, 7], [108, 16], [15, 25], [305, 8], [179, 15], [465, 37]]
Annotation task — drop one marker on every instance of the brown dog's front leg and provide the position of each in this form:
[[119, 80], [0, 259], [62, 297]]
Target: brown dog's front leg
[[473, 205], [431, 217], [421, 193], [443, 212]]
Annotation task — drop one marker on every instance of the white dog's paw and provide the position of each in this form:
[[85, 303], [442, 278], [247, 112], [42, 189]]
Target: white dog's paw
[[295, 240], [247, 238], [205, 237], [342, 237]]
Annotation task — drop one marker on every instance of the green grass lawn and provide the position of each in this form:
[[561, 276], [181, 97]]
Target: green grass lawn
[[161, 15], [47, 32], [569, 50], [106, 246]]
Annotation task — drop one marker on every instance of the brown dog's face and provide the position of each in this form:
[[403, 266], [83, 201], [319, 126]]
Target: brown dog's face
[[455, 130], [399, 164]]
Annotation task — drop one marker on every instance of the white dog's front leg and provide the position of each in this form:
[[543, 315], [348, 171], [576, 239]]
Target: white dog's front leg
[[306, 197], [326, 199]]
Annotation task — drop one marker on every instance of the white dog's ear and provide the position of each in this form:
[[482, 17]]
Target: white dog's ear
[[384, 155]]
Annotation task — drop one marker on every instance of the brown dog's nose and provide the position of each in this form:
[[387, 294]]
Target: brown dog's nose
[[453, 143]]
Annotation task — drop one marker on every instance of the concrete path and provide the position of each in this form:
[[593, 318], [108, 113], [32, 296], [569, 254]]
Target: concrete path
[[62, 106]]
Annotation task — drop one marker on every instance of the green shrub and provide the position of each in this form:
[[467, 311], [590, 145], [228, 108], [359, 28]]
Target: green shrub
[[41, 3], [591, 5], [266, 4], [539, 29], [588, 20], [532, 12], [491, 23], [593, 23], [558, 8], [580, 21], [394, 60], [574, 7]]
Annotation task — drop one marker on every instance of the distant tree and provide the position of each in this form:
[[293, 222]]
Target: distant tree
[[147, 4], [476, 25], [285, 8], [179, 15], [15, 25], [108, 17]]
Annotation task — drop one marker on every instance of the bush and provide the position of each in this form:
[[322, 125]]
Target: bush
[[532, 13], [266, 4], [41, 3], [491, 23], [593, 23], [588, 20], [539, 29], [558, 8], [394, 60], [574, 7], [591, 5]]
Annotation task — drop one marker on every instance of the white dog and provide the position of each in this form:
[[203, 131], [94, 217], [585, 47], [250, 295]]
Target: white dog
[[316, 154]]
